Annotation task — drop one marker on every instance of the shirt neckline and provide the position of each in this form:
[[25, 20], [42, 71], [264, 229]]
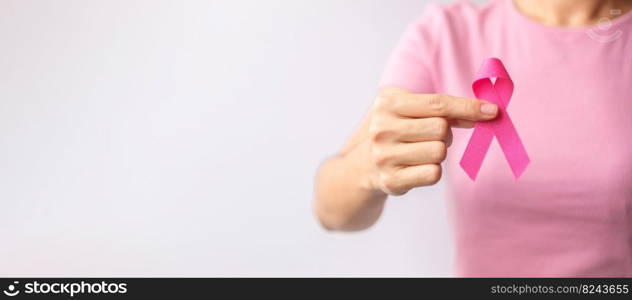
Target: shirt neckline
[[613, 24]]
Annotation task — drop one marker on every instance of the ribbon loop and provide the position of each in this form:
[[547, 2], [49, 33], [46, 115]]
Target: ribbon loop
[[499, 93]]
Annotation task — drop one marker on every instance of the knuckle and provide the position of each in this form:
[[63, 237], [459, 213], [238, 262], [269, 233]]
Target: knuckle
[[391, 184], [434, 174], [410, 126], [375, 127], [380, 136], [441, 127], [473, 107], [379, 131], [386, 101], [381, 157], [436, 103], [382, 128], [438, 151]]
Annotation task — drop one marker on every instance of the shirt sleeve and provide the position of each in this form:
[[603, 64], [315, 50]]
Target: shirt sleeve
[[410, 63]]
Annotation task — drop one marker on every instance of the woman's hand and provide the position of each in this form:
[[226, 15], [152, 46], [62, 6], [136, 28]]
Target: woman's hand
[[409, 135], [399, 146]]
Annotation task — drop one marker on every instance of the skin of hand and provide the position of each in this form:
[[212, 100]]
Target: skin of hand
[[399, 146]]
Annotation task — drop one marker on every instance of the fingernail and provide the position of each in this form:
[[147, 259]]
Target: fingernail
[[489, 109]]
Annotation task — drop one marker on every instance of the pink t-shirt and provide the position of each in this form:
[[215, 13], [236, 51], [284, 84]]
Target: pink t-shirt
[[570, 214]]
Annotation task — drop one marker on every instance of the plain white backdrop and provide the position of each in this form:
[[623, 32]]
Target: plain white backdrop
[[180, 138]]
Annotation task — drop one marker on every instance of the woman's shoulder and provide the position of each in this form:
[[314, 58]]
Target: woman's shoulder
[[442, 30]]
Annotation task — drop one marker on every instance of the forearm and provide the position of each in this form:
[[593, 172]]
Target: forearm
[[345, 197]]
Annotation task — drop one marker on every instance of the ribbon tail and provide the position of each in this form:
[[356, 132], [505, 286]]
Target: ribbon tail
[[476, 149], [510, 143]]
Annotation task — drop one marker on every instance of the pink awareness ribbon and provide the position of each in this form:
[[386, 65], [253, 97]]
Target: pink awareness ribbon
[[499, 93]]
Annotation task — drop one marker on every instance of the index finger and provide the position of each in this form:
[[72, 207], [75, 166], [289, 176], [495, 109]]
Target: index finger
[[438, 105]]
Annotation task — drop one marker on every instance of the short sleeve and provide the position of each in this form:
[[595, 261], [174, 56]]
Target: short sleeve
[[409, 65]]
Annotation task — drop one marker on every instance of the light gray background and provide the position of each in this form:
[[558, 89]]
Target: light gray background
[[180, 138]]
